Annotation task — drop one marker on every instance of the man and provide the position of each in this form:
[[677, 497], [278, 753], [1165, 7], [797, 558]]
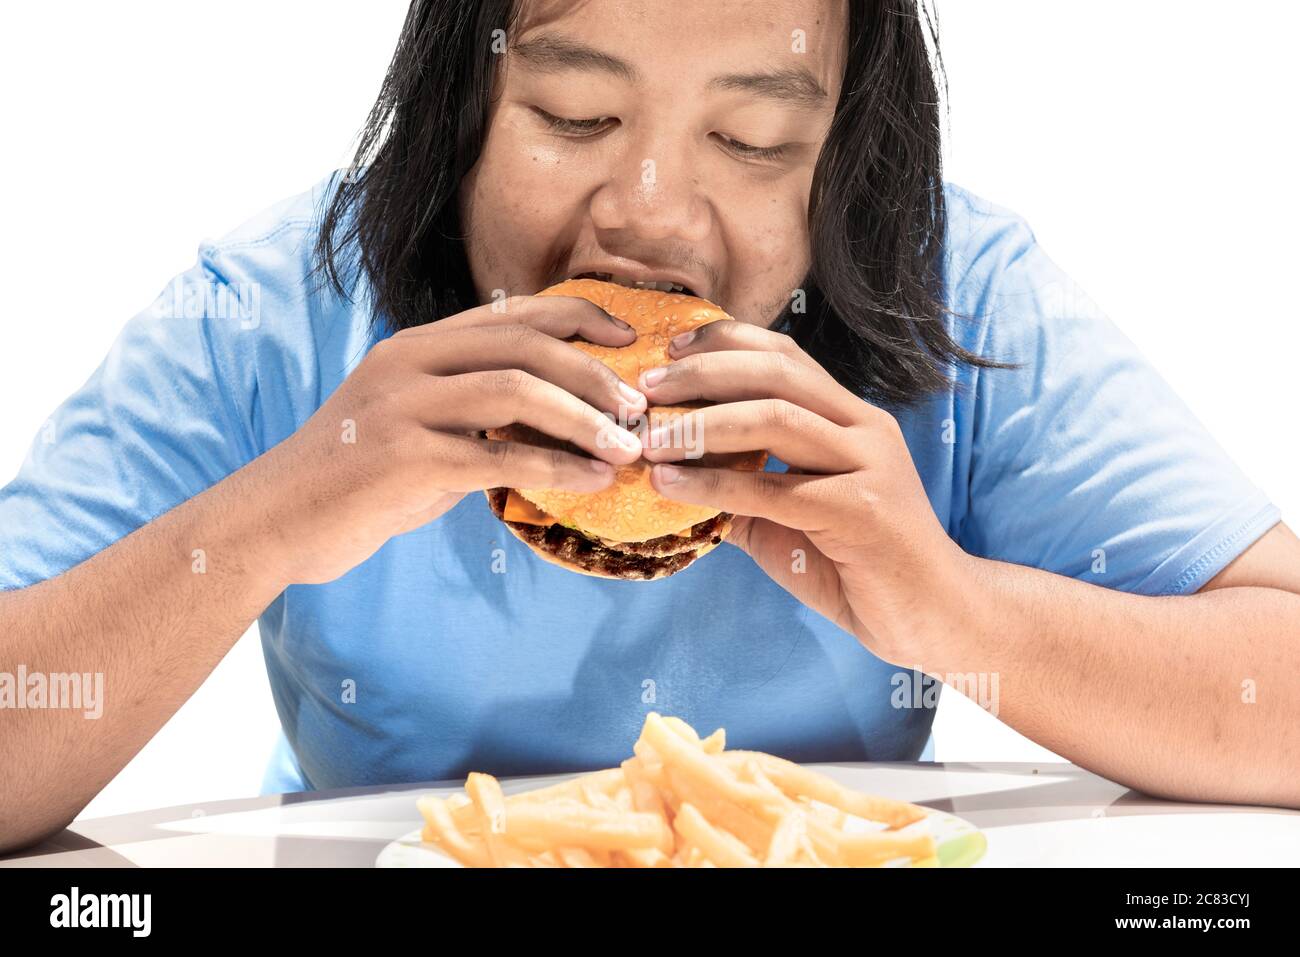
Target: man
[[973, 472]]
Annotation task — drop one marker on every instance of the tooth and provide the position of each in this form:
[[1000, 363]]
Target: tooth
[[660, 285]]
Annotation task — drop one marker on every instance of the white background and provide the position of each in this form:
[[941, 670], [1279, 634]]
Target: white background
[[1149, 144]]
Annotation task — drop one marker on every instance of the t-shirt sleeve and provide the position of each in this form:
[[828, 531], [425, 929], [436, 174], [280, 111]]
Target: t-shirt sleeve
[[168, 413], [1084, 462]]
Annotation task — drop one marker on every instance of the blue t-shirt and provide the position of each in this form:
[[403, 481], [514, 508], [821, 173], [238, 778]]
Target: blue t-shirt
[[453, 648]]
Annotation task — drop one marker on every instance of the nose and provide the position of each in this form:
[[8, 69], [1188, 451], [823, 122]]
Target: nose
[[653, 192]]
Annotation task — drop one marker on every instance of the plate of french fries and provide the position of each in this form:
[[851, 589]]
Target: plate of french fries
[[683, 801]]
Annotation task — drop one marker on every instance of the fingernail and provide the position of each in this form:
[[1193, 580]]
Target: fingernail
[[683, 340], [600, 466], [668, 474], [632, 396], [626, 439], [652, 377], [620, 323]]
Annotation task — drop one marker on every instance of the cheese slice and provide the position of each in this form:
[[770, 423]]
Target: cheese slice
[[519, 509]]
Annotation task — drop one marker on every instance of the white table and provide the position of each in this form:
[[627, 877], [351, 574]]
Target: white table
[[1032, 814]]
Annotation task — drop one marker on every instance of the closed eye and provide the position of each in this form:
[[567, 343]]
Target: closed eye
[[570, 127], [594, 125], [745, 151]]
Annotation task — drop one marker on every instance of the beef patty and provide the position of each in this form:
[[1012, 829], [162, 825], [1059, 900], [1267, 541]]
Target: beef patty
[[636, 560]]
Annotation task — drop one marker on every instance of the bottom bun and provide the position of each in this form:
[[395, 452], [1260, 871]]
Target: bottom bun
[[574, 551]]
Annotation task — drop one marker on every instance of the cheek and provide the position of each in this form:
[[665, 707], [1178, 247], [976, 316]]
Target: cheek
[[522, 179], [772, 257], [511, 210], [779, 243]]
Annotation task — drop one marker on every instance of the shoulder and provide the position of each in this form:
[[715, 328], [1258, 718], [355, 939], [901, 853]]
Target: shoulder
[[983, 242], [255, 315], [264, 274], [276, 245], [1006, 294]]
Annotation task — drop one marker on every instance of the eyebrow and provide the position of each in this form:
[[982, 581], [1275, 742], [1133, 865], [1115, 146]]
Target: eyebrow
[[795, 86], [552, 53]]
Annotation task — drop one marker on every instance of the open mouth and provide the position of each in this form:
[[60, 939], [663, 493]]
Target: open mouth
[[659, 286]]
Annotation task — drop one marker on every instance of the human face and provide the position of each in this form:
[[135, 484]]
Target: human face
[[656, 140]]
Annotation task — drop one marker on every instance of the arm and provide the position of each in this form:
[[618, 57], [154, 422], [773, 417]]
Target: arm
[[139, 614], [1146, 691], [306, 511]]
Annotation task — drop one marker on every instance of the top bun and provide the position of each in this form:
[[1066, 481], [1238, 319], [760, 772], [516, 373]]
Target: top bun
[[629, 509], [655, 317]]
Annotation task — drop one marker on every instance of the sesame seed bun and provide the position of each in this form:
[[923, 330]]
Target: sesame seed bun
[[628, 530]]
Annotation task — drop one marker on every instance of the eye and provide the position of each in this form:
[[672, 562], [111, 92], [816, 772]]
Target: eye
[[745, 151], [568, 127]]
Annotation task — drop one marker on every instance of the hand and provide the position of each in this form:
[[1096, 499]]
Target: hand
[[848, 530], [397, 443]]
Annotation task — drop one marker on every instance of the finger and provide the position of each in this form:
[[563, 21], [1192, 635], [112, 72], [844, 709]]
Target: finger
[[561, 317], [520, 347], [465, 464], [734, 375], [794, 501], [796, 436], [714, 336], [489, 400]]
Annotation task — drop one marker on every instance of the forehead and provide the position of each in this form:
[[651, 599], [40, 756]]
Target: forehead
[[767, 48]]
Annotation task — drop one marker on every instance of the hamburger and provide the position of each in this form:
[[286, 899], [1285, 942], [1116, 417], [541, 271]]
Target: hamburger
[[627, 530]]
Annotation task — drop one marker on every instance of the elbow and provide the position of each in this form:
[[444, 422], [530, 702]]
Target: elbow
[[24, 825], [1260, 790]]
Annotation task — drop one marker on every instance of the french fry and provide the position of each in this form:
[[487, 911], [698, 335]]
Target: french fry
[[620, 800], [576, 857], [750, 828], [787, 840], [723, 849], [680, 801], [683, 730], [485, 793], [650, 758], [605, 780], [689, 856], [447, 836], [795, 781], [644, 789], [644, 857], [571, 823], [700, 768], [873, 849], [831, 816], [713, 744]]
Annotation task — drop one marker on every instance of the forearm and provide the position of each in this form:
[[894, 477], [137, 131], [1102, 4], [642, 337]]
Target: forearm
[[153, 614], [1194, 697]]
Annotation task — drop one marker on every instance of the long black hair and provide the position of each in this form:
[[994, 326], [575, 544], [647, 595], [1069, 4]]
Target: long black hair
[[874, 312]]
